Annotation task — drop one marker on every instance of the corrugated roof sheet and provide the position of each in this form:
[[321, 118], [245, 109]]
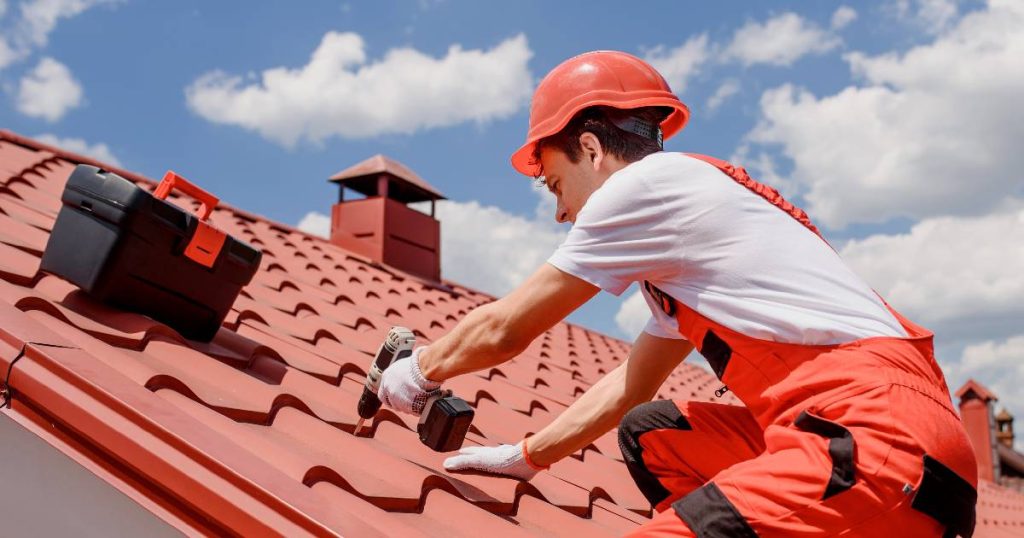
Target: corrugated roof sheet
[[251, 433]]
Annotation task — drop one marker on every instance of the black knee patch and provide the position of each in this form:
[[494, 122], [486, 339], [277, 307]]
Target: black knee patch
[[709, 514], [656, 415]]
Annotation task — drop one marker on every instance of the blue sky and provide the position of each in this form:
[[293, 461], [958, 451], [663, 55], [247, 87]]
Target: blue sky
[[892, 122]]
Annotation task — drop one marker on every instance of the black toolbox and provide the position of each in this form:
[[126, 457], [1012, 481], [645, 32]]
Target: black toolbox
[[132, 249]]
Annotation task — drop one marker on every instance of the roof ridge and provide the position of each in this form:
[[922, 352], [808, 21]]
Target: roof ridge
[[24, 141]]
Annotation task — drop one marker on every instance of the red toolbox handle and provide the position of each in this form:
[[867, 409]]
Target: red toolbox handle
[[173, 181], [207, 241]]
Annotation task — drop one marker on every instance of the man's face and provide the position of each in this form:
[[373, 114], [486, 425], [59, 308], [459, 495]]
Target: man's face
[[571, 183]]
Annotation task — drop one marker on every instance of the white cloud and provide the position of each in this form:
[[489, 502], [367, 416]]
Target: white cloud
[[677, 65], [487, 248], [935, 130], [633, 314], [728, 88], [990, 353], [48, 91], [958, 276], [932, 16], [483, 247], [340, 93], [31, 28], [39, 17], [98, 151], [7, 54], [316, 224], [780, 40], [843, 17]]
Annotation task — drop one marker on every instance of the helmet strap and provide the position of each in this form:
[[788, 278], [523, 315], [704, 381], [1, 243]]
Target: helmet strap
[[637, 126]]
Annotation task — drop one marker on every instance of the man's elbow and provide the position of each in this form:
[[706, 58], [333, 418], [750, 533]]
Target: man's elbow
[[504, 339]]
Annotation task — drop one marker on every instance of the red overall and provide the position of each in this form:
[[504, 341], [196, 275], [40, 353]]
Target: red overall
[[856, 439]]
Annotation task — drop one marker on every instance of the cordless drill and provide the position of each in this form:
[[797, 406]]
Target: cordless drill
[[445, 418]]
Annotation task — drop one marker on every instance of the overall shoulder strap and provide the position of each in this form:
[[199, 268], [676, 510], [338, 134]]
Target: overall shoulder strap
[[740, 175]]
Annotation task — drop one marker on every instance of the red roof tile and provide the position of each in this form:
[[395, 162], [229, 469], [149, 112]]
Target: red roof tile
[[253, 431], [1000, 512]]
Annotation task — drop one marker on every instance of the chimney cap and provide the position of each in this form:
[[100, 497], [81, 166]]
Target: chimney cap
[[407, 188], [979, 391]]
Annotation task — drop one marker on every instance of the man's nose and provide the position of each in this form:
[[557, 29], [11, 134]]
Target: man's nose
[[561, 214]]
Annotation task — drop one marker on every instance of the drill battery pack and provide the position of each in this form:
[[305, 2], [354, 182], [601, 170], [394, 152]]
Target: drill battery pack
[[134, 250], [444, 422]]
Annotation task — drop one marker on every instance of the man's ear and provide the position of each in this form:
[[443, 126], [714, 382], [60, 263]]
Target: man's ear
[[592, 150]]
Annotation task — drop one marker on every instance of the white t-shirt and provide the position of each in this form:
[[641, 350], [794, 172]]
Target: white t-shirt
[[722, 250]]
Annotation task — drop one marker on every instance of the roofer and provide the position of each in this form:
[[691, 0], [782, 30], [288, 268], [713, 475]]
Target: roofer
[[847, 427]]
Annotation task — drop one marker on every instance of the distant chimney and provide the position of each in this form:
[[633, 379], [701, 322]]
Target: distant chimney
[[979, 421], [1004, 428], [381, 226]]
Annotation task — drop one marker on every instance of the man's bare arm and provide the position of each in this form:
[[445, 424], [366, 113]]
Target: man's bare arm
[[600, 409], [498, 331]]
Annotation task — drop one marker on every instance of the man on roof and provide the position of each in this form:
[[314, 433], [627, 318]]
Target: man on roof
[[847, 426]]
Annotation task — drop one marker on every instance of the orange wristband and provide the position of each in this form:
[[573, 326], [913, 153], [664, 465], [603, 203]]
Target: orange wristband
[[526, 458]]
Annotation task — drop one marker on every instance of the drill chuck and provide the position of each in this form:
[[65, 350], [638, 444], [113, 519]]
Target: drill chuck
[[369, 404]]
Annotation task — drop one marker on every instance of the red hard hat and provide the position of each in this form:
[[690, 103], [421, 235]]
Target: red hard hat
[[603, 77]]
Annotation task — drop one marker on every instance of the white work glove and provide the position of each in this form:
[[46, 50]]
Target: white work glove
[[403, 386], [506, 460]]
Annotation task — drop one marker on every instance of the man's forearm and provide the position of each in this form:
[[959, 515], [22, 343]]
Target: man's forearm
[[595, 412], [601, 408], [479, 341], [496, 332]]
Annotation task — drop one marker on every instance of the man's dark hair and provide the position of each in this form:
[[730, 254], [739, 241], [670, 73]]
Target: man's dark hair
[[600, 120]]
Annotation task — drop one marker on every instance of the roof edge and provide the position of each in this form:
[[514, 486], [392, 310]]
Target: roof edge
[[113, 420]]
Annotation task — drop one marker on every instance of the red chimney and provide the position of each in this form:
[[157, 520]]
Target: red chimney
[[976, 414], [381, 226]]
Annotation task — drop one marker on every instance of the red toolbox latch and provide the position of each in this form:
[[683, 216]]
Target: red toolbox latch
[[207, 241]]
